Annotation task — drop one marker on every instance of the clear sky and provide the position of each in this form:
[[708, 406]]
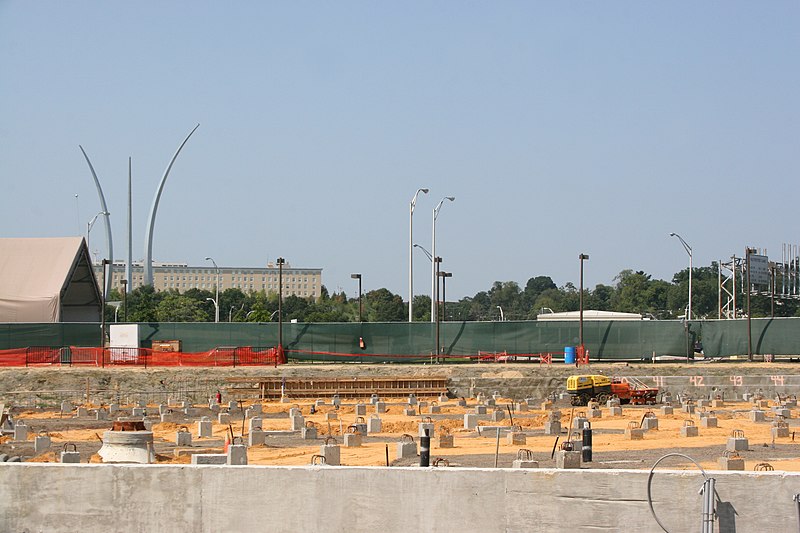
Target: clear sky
[[560, 128]]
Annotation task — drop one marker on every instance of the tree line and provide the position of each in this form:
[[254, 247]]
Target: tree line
[[633, 292]]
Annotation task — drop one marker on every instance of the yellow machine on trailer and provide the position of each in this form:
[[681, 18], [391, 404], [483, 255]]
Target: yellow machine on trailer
[[584, 388]]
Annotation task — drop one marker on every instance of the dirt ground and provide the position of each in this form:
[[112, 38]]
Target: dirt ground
[[611, 447]]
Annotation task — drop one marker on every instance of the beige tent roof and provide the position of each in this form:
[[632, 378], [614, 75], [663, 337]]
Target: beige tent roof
[[589, 314], [47, 280]]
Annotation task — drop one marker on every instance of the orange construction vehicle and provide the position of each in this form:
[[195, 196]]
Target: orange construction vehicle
[[602, 388]]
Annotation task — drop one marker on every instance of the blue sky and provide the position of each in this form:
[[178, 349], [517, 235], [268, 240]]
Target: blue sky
[[560, 128]]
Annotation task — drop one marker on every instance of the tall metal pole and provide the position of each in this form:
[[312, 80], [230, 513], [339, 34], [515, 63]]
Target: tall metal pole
[[360, 308], [109, 238], [582, 258], [444, 276], [688, 251], [129, 264], [433, 253], [411, 254], [748, 251], [280, 262], [216, 301], [436, 262]]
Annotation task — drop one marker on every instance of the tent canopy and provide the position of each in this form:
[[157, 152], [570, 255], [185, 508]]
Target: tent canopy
[[47, 280]]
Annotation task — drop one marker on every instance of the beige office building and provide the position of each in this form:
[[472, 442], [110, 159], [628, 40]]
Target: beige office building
[[302, 282]]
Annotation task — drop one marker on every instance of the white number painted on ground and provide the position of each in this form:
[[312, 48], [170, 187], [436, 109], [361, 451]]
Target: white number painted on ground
[[777, 380], [697, 381], [736, 380]]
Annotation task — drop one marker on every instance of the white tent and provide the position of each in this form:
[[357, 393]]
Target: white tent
[[47, 280], [589, 315]]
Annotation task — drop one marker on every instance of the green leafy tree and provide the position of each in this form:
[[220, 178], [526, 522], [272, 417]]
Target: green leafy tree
[[383, 306], [179, 308]]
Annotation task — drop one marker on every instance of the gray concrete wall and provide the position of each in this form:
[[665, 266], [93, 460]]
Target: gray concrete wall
[[140, 498]]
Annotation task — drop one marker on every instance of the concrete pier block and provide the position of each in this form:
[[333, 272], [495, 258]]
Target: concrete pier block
[[525, 463], [255, 423], [516, 438], [443, 398], [762, 404], [480, 409], [613, 402], [531, 402], [113, 409], [72, 456], [209, 459], [224, 418], [703, 403], [204, 428], [213, 407], [374, 399], [183, 437], [308, 433], [594, 413], [461, 402], [708, 422], [667, 410], [756, 415], [82, 412], [41, 443], [66, 407], [163, 408], [298, 422], [688, 408], [294, 411], [731, 463], [521, 407], [578, 422], [380, 407], [406, 449], [233, 404], [352, 440], [552, 427], [470, 421], [498, 415], [101, 414], [632, 433], [568, 459], [361, 409], [780, 432], [689, 429], [319, 403], [434, 409], [785, 413], [615, 410], [256, 437], [717, 404], [546, 405], [331, 452], [491, 402], [444, 441], [412, 399], [737, 444], [410, 411], [790, 403], [336, 400], [426, 426], [374, 424], [237, 454], [331, 416], [20, 431], [649, 423]]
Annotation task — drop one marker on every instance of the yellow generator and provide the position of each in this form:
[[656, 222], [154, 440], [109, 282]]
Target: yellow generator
[[584, 388]]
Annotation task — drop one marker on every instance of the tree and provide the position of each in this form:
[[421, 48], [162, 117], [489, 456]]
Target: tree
[[176, 307], [383, 306]]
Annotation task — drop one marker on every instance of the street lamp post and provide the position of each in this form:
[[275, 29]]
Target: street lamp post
[[216, 305], [582, 257], [216, 299], [360, 308], [230, 313], [411, 254], [502, 316], [90, 225], [280, 262], [747, 252], [436, 262], [433, 253], [688, 251]]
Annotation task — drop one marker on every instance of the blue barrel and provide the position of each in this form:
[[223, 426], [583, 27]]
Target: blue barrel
[[569, 355]]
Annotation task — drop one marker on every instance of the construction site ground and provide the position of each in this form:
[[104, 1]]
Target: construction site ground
[[611, 448]]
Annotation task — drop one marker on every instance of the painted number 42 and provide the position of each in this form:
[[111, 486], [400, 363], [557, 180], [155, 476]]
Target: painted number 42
[[697, 381]]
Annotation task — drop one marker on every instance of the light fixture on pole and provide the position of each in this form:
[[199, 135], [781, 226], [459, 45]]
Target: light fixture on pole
[[433, 253], [688, 251], [747, 253], [411, 254], [360, 308], [124, 283], [581, 348], [216, 299], [502, 316], [90, 225], [216, 305]]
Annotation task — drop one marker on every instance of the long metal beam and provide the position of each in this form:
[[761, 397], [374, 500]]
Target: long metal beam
[[106, 218]]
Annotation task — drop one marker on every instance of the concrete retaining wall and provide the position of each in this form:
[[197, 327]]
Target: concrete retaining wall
[[142, 498]]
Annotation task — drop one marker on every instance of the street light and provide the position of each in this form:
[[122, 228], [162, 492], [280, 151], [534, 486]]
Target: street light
[[748, 252], [124, 283], [502, 316], [688, 251], [433, 253], [230, 313], [90, 225], [582, 257], [411, 254], [216, 305], [216, 300], [360, 309]]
